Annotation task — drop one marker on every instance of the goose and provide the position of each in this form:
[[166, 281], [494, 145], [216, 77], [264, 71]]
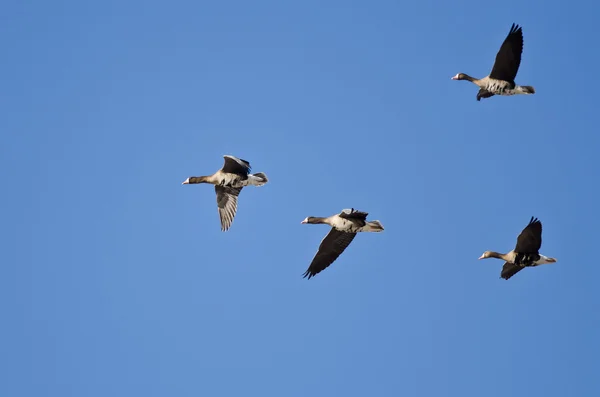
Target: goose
[[344, 227], [229, 182], [501, 81], [526, 252]]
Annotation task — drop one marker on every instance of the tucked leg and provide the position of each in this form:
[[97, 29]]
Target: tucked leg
[[484, 94]]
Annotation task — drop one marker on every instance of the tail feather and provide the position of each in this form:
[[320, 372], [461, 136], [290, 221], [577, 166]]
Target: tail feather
[[258, 179], [374, 226], [527, 89]]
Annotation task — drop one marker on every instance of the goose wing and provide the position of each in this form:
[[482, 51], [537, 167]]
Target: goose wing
[[330, 248], [227, 199], [509, 270], [530, 239], [508, 57], [354, 214], [234, 165]]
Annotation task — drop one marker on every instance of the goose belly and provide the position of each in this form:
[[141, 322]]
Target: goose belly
[[500, 87]]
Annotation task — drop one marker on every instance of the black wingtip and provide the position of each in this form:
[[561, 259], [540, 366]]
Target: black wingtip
[[307, 273], [515, 28]]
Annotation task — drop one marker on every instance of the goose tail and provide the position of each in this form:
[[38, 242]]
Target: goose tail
[[527, 89], [257, 179], [374, 226]]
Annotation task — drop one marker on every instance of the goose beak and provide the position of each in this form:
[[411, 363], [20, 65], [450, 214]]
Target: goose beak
[[186, 182]]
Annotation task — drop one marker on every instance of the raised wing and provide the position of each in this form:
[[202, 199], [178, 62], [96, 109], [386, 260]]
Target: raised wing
[[530, 239], [237, 166], [508, 58], [227, 199], [330, 248]]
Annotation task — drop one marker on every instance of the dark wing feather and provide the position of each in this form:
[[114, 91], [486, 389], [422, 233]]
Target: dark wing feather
[[508, 58], [227, 199], [233, 165], [331, 247], [509, 270], [530, 239], [354, 214]]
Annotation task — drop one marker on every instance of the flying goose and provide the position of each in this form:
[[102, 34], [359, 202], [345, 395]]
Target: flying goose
[[344, 227], [501, 81], [525, 253], [229, 182]]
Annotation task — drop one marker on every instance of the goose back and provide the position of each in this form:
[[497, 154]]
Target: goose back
[[350, 220]]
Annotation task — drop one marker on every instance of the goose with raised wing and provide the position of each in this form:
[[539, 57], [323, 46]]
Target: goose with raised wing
[[526, 252], [344, 227], [229, 182], [501, 81]]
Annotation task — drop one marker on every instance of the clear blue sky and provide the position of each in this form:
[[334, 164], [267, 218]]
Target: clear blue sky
[[117, 281]]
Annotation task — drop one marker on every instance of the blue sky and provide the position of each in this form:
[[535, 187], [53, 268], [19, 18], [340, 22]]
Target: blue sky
[[117, 281]]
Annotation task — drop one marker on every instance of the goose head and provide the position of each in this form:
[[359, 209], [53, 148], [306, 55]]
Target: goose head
[[460, 76], [487, 254], [196, 179], [312, 219]]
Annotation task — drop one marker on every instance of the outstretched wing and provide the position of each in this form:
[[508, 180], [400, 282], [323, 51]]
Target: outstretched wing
[[227, 199], [508, 58], [330, 248]]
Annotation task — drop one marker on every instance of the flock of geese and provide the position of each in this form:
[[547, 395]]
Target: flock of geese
[[235, 175]]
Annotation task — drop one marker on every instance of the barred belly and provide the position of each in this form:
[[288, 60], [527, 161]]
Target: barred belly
[[499, 87]]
